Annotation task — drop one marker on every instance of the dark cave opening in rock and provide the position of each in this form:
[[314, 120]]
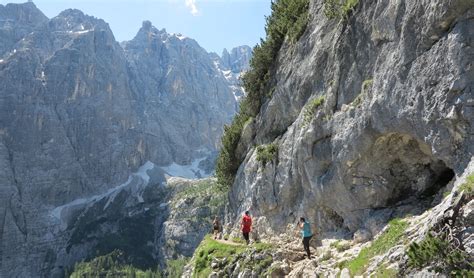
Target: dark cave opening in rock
[[397, 176], [442, 179], [400, 170], [435, 177]]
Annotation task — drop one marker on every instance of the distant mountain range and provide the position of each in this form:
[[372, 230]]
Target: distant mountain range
[[80, 112]]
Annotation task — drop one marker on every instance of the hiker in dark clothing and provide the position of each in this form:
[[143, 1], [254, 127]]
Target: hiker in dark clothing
[[216, 225], [246, 226], [306, 233]]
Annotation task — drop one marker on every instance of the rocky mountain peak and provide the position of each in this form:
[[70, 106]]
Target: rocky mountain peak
[[232, 65], [147, 25], [25, 12], [16, 21], [225, 58], [149, 28], [238, 59], [150, 36], [74, 20]]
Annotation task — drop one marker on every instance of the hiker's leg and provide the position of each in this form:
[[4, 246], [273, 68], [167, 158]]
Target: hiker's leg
[[306, 246], [309, 249], [246, 237]]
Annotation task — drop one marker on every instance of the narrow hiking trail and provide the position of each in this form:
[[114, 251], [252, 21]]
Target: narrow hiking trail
[[228, 242], [295, 253]]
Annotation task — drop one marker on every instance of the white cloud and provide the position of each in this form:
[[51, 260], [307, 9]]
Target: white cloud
[[191, 4]]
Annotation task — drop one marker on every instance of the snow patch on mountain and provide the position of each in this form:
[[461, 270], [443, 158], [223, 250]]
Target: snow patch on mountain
[[138, 180], [190, 171]]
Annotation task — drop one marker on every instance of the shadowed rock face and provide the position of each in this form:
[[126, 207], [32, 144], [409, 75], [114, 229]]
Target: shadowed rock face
[[395, 126], [78, 114]]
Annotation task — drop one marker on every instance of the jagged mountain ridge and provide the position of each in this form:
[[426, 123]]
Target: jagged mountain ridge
[[79, 114], [233, 66], [17, 22]]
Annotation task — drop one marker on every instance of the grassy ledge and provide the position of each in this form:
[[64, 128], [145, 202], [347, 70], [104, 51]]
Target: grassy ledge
[[389, 238], [468, 186], [339, 9], [310, 109], [211, 250]]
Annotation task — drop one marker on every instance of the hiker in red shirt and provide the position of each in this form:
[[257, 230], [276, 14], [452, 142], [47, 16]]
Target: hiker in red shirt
[[246, 226]]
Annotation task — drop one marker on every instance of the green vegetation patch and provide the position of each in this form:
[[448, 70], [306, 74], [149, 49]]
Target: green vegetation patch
[[111, 265], [202, 188], [288, 19], [438, 251], [366, 85], [468, 186], [339, 9], [227, 161], [260, 265], [340, 246], [389, 238], [175, 268], [238, 240], [311, 107], [383, 272], [363, 91], [266, 153], [208, 192], [261, 246], [209, 249], [446, 194]]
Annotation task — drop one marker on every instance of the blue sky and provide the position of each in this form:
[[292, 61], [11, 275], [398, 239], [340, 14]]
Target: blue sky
[[214, 24]]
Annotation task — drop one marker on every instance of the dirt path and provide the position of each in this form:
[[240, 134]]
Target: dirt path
[[228, 242]]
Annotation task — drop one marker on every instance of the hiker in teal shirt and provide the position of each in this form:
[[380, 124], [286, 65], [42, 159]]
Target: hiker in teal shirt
[[306, 234]]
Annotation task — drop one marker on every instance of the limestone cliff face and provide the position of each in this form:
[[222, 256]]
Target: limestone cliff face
[[371, 117], [79, 114], [395, 126]]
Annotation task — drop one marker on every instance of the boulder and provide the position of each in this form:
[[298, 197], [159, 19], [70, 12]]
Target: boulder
[[361, 236]]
